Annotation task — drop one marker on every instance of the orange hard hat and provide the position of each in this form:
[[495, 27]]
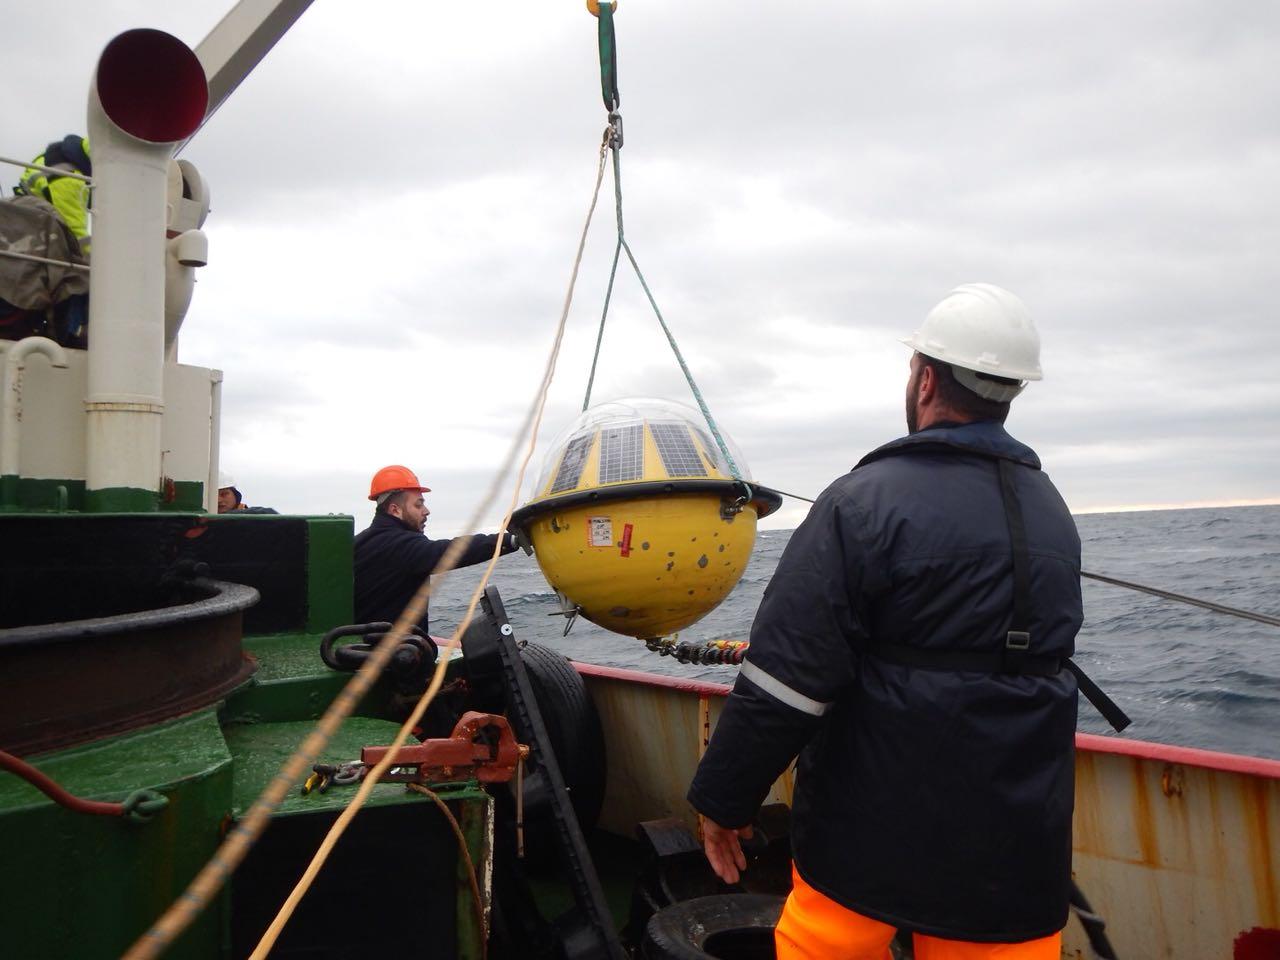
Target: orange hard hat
[[394, 477]]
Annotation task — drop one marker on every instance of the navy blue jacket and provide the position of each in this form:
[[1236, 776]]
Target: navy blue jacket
[[391, 562], [935, 800]]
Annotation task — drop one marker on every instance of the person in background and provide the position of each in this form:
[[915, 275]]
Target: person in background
[[230, 500], [69, 195], [912, 650], [393, 556], [49, 299]]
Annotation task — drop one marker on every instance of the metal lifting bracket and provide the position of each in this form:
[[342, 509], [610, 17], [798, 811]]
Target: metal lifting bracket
[[482, 746]]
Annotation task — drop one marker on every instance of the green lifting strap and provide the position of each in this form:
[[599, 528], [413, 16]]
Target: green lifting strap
[[608, 58], [613, 141]]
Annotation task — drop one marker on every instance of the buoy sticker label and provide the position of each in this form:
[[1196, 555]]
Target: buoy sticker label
[[599, 531], [626, 540]]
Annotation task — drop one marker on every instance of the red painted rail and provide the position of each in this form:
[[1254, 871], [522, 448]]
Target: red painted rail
[[1188, 756]]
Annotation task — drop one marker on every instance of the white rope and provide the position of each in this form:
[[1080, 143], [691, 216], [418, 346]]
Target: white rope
[[206, 884], [371, 778]]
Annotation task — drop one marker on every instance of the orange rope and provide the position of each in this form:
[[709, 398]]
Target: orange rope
[[477, 898]]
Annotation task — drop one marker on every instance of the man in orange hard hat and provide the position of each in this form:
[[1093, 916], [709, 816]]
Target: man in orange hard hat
[[393, 556]]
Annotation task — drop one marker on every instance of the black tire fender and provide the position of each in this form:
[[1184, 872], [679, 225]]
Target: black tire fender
[[730, 925], [573, 725]]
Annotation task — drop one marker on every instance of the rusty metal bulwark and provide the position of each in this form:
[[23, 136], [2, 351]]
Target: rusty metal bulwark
[[1178, 849], [1181, 859], [68, 683]]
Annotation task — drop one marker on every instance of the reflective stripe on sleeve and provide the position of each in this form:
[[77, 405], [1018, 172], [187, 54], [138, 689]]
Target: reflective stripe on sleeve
[[780, 691]]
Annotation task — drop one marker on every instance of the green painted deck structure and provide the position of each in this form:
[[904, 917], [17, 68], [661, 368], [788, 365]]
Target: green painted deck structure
[[87, 886]]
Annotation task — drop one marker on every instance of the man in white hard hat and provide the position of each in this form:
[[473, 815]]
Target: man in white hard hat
[[229, 498], [912, 648]]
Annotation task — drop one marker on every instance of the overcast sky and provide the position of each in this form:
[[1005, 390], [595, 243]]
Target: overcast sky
[[398, 190]]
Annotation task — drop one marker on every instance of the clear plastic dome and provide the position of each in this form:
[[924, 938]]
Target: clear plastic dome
[[686, 449]]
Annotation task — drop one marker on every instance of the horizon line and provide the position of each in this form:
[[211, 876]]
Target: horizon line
[[1143, 508], [1188, 505]]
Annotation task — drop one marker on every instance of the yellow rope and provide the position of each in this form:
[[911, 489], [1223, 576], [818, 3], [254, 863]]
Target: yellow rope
[[388, 760], [476, 896], [369, 782], [206, 884]]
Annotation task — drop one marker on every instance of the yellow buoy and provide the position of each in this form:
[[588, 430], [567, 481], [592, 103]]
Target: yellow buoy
[[636, 519]]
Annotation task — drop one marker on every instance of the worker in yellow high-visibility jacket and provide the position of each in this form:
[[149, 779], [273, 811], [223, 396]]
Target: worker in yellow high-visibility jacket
[[69, 195]]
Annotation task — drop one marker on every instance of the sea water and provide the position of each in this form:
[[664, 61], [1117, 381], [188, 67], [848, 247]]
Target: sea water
[[1185, 675]]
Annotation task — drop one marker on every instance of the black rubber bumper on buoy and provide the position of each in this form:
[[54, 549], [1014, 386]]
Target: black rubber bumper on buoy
[[731, 926]]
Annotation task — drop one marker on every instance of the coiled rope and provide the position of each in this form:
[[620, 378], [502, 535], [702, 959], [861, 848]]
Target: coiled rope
[[206, 884]]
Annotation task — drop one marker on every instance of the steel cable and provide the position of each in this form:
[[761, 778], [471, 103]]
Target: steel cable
[[1183, 598], [1142, 588]]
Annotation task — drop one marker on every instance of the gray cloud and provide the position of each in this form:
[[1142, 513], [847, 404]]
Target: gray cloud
[[403, 205]]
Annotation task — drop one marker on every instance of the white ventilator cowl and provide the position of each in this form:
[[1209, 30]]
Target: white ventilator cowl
[[982, 328]]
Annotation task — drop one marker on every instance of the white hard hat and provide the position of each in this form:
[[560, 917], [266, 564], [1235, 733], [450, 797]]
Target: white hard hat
[[982, 328], [225, 481]]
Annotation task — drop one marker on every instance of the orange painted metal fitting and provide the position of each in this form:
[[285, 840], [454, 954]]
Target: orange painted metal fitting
[[482, 745]]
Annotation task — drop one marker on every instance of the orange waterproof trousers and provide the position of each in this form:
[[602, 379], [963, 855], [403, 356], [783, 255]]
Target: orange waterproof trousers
[[815, 927]]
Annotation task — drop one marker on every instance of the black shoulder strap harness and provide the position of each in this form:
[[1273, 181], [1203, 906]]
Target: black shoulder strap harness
[[1015, 657]]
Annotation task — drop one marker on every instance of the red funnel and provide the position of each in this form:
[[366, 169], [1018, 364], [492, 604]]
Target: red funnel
[[152, 86]]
